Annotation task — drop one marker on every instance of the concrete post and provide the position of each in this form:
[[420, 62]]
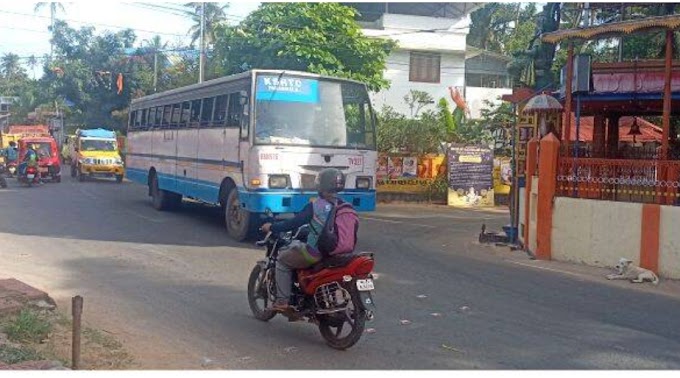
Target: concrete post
[[529, 172], [547, 185]]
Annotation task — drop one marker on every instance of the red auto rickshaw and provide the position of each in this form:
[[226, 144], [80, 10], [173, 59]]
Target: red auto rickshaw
[[48, 155]]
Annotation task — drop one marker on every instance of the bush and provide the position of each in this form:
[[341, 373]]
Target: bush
[[28, 326]]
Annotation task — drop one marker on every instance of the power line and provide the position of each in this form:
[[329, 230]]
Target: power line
[[95, 24]]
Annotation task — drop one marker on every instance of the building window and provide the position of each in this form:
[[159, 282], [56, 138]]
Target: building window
[[487, 80], [425, 67]]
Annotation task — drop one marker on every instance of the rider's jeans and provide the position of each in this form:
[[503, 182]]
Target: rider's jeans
[[297, 255]]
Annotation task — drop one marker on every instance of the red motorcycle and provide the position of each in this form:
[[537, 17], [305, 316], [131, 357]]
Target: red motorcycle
[[334, 294], [32, 177]]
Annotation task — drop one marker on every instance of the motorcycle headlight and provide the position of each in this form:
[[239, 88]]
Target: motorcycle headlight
[[278, 181], [363, 183]]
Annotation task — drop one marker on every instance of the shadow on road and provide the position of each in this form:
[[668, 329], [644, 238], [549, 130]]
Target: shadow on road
[[104, 211]]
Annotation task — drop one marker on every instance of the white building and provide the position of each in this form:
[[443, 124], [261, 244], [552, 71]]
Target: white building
[[486, 79], [431, 47]]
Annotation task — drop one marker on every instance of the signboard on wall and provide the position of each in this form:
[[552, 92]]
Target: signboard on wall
[[470, 176], [408, 174]]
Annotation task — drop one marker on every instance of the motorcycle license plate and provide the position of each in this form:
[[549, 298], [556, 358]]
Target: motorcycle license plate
[[365, 285], [30, 177]]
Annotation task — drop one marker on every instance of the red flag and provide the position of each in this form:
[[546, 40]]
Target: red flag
[[119, 83]]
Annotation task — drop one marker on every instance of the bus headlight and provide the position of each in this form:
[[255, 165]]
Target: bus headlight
[[363, 183], [278, 181]]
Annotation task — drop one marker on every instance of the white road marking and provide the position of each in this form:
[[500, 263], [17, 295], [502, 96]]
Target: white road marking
[[544, 268], [399, 222]]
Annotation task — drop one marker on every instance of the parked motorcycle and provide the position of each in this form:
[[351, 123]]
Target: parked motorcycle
[[3, 171], [11, 169], [32, 177], [334, 294]]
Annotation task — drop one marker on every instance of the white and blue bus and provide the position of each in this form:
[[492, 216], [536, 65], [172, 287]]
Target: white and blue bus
[[253, 142]]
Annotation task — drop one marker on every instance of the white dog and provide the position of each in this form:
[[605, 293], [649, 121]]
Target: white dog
[[627, 271]]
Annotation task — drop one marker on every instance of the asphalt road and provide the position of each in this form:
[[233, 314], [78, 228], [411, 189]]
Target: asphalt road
[[172, 287]]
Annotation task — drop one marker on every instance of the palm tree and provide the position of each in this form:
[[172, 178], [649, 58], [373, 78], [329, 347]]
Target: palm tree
[[214, 15], [10, 65], [156, 45], [32, 63], [54, 8]]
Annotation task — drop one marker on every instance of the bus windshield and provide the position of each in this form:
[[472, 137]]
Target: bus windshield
[[294, 110]]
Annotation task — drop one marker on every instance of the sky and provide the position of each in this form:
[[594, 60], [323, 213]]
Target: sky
[[24, 31]]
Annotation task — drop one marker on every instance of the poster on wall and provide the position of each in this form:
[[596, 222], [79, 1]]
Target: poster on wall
[[395, 167], [381, 172], [502, 175], [410, 167], [399, 173], [470, 176]]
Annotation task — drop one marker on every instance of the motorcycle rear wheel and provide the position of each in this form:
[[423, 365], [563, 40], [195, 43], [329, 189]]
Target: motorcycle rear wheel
[[258, 282], [331, 326]]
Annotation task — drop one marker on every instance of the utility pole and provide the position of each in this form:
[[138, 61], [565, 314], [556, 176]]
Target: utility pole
[[155, 70], [202, 48]]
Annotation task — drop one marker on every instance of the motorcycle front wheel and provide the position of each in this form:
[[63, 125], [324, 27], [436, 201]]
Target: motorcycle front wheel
[[258, 294], [352, 322]]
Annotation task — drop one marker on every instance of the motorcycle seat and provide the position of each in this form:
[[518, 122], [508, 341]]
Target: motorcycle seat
[[337, 261]]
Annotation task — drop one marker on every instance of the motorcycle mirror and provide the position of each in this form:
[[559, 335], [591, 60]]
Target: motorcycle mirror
[[268, 212]]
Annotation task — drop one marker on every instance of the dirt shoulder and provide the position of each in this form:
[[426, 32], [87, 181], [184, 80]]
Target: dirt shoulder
[[35, 335]]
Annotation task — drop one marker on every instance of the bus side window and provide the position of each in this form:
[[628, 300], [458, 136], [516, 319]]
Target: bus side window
[[221, 110], [175, 115], [142, 124], [159, 116], [195, 113], [207, 111], [186, 112], [234, 111], [167, 114], [138, 118], [151, 122], [131, 123]]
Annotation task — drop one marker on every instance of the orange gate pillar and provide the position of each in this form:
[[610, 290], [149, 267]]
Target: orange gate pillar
[[547, 185]]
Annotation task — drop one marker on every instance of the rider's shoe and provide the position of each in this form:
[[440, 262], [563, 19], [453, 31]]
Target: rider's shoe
[[281, 305]]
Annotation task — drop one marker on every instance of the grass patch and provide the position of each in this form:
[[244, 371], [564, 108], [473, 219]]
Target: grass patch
[[28, 326], [12, 355]]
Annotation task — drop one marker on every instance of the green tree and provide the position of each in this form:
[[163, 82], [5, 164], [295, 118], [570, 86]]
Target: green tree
[[85, 69], [502, 27], [215, 14], [322, 38]]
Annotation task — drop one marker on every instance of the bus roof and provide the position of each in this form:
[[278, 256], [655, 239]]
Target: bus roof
[[230, 78]]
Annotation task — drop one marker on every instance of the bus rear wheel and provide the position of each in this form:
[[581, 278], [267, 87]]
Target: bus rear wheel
[[163, 200], [239, 221]]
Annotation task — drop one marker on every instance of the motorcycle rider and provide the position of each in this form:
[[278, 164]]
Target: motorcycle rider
[[299, 255], [31, 158], [10, 153]]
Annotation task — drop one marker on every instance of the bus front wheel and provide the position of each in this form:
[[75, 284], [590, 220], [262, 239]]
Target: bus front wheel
[[238, 220]]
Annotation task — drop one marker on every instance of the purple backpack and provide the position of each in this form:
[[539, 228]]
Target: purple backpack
[[339, 235]]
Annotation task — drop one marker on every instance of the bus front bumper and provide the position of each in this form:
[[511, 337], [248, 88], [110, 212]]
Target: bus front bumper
[[293, 202]]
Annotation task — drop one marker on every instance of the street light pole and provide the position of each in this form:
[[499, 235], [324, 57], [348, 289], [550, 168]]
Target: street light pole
[[155, 70], [201, 57]]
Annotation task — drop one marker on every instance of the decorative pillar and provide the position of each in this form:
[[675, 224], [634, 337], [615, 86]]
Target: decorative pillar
[[567, 101], [547, 186], [667, 95], [530, 171]]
